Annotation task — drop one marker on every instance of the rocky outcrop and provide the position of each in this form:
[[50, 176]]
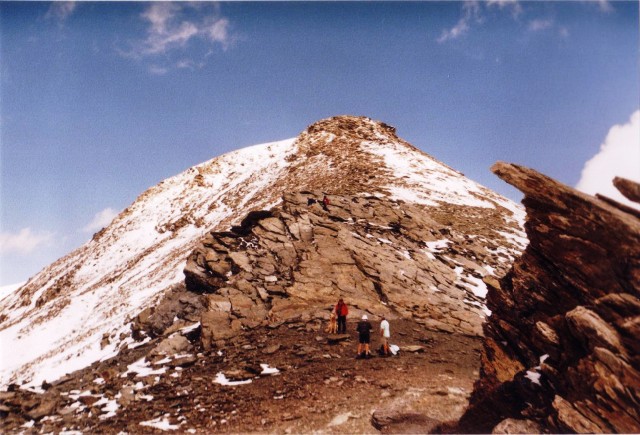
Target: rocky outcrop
[[382, 256], [561, 350], [628, 188]]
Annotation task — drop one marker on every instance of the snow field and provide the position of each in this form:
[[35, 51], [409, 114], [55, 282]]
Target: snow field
[[130, 248]]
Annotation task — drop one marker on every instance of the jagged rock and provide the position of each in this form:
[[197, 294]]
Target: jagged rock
[[338, 338], [238, 374], [176, 303], [563, 334], [271, 349], [297, 258], [216, 326], [592, 331], [172, 345], [127, 395], [412, 348], [183, 361], [46, 405], [395, 421], [628, 188], [513, 426]]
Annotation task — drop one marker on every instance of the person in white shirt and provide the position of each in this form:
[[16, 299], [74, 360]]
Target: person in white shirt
[[385, 332]]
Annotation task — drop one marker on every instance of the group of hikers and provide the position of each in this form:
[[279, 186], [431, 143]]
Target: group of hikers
[[364, 329]]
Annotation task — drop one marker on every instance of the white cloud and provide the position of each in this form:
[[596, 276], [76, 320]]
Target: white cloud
[[564, 32], [24, 242], [173, 26], [605, 6], [60, 10], [471, 11], [218, 31], [455, 32], [619, 155], [100, 220], [540, 24], [158, 70], [515, 7]]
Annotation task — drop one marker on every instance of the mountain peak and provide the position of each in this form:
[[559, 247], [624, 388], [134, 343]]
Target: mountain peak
[[142, 253], [355, 127]]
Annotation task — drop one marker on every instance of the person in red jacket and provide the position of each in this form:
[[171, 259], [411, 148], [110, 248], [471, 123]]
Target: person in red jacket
[[341, 312], [325, 203]]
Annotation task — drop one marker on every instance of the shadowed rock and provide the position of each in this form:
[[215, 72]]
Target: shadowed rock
[[561, 345]]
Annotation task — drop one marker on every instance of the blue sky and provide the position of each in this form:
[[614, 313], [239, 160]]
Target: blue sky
[[100, 101]]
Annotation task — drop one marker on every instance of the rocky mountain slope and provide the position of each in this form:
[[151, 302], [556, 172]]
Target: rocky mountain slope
[[561, 351], [241, 345], [80, 309]]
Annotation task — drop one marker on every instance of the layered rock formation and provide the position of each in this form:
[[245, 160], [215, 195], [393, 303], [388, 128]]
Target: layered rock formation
[[561, 352], [382, 256]]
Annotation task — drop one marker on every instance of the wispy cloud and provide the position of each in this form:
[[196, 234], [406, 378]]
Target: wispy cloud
[[24, 242], [605, 6], [100, 220], [475, 13], [512, 5], [564, 32], [60, 10], [540, 24], [470, 13], [619, 155], [172, 29], [158, 70]]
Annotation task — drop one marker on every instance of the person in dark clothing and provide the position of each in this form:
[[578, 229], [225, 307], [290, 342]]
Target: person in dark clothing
[[364, 337], [342, 311]]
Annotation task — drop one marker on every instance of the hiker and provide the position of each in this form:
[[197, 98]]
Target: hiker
[[385, 332], [325, 203], [364, 337], [342, 311]]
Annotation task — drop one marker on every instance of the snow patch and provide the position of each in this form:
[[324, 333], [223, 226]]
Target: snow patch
[[187, 329], [266, 370], [340, 419], [6, 290], [142, 368], [161, 423], [533, 377], [222, 380]]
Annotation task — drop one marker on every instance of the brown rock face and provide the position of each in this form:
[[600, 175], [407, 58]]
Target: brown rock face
[[628, 188], [298, 260], [561, 346]]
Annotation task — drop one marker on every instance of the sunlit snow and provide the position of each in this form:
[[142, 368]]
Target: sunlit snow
[[222, 380]]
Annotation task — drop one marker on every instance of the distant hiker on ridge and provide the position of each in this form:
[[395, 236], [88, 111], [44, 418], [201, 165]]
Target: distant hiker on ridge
[[385, 332], [342, 311], [364, 337], [325, 203]]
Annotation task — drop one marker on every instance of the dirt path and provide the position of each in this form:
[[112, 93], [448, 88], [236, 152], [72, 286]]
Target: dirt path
[[320, 387]]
